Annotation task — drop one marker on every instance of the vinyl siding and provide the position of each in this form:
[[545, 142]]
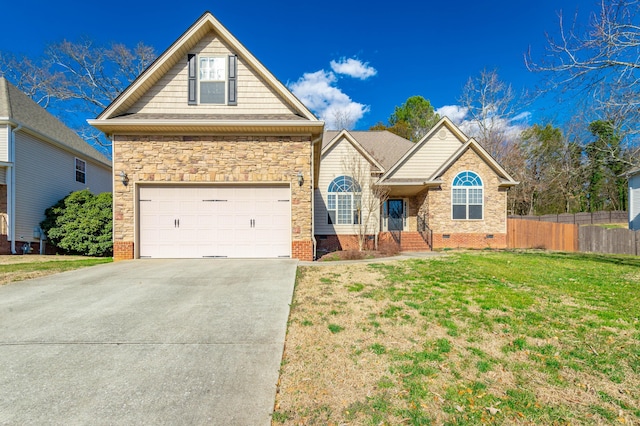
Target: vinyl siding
[[3, 176], [634, 202], [4, 142], [169, 94], [336, 162], [46, 174], [431, 155]]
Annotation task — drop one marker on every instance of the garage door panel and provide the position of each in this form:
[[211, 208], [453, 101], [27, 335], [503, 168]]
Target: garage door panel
[[236, 221]]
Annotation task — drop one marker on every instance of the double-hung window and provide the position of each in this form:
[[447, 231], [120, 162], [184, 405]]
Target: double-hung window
[[343, 201], [467, 198], [212, 79], [81, 171]]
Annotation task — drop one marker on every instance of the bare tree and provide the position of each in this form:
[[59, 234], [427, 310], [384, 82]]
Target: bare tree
[[342, 119], [598, 66], [77, 80], [491, 112], [369, 199]]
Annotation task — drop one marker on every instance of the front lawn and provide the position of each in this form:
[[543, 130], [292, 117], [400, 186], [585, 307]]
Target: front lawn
[[470, 338], [18, 268]]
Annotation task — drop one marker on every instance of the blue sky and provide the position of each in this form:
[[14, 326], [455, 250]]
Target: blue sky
[[395, 51]]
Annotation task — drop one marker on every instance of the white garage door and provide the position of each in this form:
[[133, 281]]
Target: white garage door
[[239, 221]]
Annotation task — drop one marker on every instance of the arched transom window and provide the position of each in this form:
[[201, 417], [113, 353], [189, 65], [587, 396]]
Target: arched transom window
[[467, 199], [343, 201]]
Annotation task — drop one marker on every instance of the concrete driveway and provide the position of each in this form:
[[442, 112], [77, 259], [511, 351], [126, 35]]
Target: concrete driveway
[[145, 342]]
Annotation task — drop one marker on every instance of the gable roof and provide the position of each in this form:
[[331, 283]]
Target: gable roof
[[444, 121], [381, 145], [330, 141], [505, 178], [113, 115], [20, 110], [465, 144]]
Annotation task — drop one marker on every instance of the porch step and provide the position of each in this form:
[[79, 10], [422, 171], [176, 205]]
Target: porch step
[[413, 241]]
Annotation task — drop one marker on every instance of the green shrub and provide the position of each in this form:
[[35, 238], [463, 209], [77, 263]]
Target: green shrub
[[81, 223]]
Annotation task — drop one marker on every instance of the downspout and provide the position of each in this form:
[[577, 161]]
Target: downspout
[[313, 193], [11, 190]]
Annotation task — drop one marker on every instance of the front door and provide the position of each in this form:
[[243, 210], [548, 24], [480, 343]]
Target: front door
[[396, 215]]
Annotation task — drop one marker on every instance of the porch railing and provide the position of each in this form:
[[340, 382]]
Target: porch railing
[[425, 231], [397, 237]]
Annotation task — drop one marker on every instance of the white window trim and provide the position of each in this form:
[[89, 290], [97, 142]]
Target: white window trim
[[76, 170], [200, 80], [466, 188], [355, 214]]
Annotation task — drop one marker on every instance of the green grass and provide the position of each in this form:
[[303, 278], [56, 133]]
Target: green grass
[[530, 337], [11, 272], [335, 328], [580, 303]]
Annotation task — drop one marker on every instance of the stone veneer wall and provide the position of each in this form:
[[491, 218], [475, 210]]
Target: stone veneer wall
[[489, 232], [212, 159]]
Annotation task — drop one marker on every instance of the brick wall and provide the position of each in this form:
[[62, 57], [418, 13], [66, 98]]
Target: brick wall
[[302, 250], [122, 250], [212, 159], [471, 240], [331, 243]]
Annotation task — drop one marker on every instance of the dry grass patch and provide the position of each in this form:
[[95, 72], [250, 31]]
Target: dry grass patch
[[498, 338]]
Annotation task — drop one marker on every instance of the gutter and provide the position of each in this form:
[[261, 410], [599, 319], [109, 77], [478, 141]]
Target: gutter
[[115, 124], [11, 188]]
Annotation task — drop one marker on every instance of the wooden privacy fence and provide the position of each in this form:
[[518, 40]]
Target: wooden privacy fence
[[570, 237], [601, 240], [617, 216], [544, 235]]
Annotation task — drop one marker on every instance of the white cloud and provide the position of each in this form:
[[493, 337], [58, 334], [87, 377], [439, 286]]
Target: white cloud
[[319, 92], [455, 113], [512, 128], [353, 68]]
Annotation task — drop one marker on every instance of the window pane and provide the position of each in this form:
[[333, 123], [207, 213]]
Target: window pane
[[475, 212], [212, 93], [475, 196], [212, 69], [459, 211], [467, 179], [344, 209], [459, 196], [331, 202]]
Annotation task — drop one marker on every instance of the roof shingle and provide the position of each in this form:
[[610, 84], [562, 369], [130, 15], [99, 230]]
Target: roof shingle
[[18, 107]]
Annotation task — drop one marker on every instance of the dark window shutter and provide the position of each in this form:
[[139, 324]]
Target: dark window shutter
[[233, 80], [191, 60]]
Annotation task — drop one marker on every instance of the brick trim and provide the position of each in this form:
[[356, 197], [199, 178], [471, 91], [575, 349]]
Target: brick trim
[[473, 241], [122, 250], [302, 250]]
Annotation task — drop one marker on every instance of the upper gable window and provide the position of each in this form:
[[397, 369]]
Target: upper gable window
[[212, 80], [467, 197], [81, 171]]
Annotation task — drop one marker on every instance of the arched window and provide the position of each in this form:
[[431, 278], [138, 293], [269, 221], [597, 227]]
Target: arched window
[[343, 201], [467, 199]]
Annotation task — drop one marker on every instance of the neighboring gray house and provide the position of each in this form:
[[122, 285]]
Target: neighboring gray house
[[41, 161], [634, 199]]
